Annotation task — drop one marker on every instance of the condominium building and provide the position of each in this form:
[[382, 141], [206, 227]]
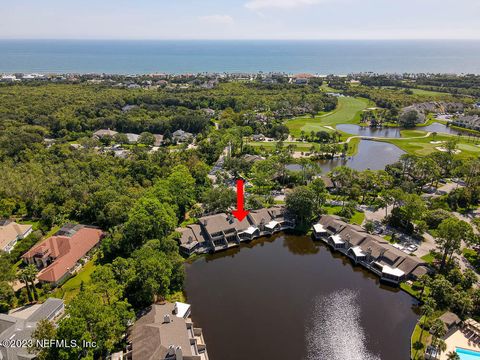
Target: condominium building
[[222, 231], [371, 251]]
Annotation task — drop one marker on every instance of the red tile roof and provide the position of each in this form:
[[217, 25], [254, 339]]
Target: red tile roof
[[66, 251]]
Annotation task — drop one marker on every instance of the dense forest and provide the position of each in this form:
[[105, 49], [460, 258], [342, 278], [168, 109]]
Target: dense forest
[[139, 200]]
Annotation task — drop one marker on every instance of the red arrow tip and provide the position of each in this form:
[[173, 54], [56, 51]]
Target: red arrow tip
[[240, 214]]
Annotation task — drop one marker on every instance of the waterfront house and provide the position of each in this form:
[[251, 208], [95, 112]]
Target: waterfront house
[[192, 240], [20, 323], [11, 232], [373, 252], [222, 231], [166, 332], [58, 256]]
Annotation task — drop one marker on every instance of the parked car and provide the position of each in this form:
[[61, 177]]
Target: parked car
[[412, 247]]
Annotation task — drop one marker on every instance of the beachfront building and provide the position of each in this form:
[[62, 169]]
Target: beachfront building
[[20, 323], [59, 256], [222, 231], [166, 332], [11, 232], [373, 252]]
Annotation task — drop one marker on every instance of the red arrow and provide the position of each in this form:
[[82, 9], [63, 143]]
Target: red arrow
[[240, 213]]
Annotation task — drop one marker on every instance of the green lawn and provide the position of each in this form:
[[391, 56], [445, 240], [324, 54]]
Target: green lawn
[[417, 354], [429, 93], [420, 92], [429, 258], [424, 146], [347, 112], [357, 218], [269, 145], [72, 286]]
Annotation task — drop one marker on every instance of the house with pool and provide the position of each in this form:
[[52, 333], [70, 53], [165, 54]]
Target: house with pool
[[222, 231], [370, 251]]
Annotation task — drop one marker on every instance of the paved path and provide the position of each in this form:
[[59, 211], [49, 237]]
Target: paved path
[[384, 138]]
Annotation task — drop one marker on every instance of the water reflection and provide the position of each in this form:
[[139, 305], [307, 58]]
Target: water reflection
[[335, 332], [371, 155], [394, 132], [269, 299], [300, 247]]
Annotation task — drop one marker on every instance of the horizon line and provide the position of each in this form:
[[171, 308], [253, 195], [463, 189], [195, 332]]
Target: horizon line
[[239, 39]]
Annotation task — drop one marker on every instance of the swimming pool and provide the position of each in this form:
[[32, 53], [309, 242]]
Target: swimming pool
[[468, 354]]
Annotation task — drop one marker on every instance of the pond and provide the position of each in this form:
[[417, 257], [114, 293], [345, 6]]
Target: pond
[[373, 155], [394, 132], [289, 298], [390, 132]]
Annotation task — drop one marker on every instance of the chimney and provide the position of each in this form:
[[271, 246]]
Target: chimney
[[190, 239], [166, 318], [171, 350], [178, 353], [175, 309]]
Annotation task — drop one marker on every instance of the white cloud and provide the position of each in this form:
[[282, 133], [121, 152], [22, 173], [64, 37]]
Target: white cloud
[[282, 4], [217, 19]]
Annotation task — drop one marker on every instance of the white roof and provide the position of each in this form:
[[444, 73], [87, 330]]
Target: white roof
[[182, 309], [337, 239], [392, 271], [272, 224], [357, 250], [250, 230], [319, 228]]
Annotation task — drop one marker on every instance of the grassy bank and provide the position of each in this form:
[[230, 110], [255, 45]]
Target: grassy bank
[[417, 350]]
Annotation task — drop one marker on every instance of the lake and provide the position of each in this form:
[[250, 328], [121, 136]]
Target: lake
[[373, 155], [321, 56], [394, 132], [289, 298]]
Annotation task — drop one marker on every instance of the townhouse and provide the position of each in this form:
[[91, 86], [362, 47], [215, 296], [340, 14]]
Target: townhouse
[[373, 252], [222, 231]]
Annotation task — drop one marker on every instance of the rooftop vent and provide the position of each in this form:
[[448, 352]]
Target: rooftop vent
[[166, 319], [178, 353]]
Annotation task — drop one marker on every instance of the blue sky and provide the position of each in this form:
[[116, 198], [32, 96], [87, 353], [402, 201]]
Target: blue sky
[[240, 19]]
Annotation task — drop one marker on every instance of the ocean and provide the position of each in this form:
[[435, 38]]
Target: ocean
[[319, 57]]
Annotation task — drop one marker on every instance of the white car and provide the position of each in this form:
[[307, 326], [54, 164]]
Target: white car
[[412, 247]]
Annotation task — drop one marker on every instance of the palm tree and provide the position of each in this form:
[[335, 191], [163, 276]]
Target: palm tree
[[424, 281], [441, 346], [30, 273], [427, 310], [24, 279], [452, 355]]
